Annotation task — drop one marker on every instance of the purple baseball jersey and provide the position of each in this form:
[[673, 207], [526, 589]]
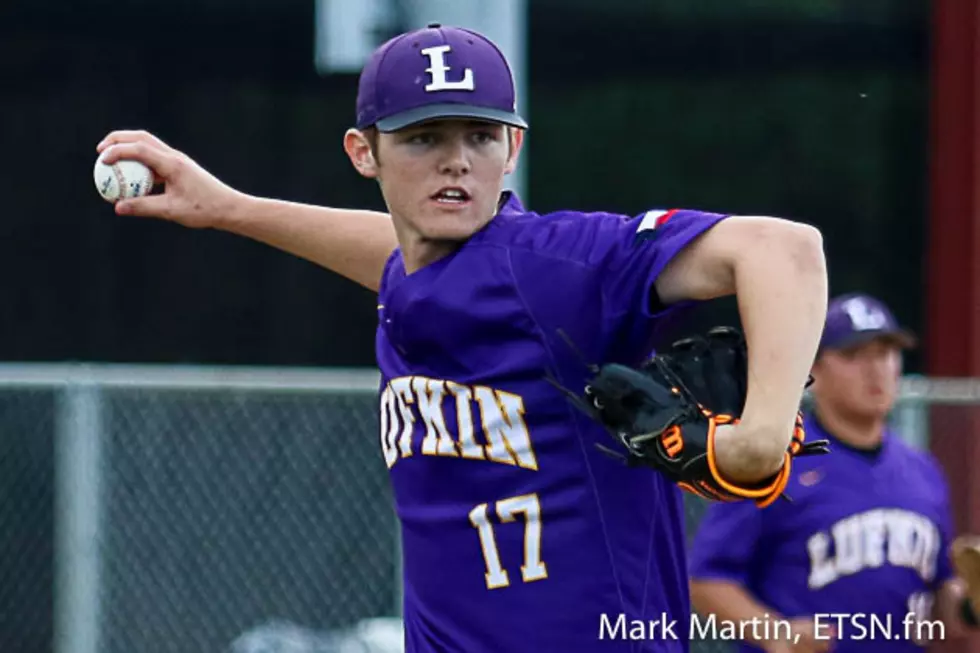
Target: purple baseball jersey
[[866, 537], [517, 533]]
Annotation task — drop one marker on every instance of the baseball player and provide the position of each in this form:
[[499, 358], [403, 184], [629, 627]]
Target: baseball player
[[859, 561], [518, 532]]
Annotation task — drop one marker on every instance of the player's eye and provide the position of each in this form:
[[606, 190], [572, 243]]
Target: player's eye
[[422, 138], [484, 136]]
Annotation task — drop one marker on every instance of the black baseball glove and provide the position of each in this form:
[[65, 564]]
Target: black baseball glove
[[665, 413]]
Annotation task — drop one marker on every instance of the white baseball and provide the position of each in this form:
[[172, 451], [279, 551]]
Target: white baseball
[[121, 180]]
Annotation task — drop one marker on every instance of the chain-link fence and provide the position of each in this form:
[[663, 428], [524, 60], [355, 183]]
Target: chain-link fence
[[27, 427], [167, 511], [237, 507]]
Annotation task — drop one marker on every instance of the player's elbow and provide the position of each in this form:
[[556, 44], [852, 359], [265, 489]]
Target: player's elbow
[[783, 242], [796, 248], [806, 244]]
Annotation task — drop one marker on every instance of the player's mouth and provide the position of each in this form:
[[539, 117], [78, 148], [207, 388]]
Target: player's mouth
[[451, 196]]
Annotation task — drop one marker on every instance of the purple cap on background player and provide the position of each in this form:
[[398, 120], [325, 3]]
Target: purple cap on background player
[[854, 318], [436, 72]]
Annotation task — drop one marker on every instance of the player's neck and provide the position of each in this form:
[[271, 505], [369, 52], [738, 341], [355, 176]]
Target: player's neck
[[857, 431], [416, 254]]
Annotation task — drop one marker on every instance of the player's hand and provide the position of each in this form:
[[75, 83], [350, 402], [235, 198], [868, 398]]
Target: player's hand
[[191, 195], [803, 639]]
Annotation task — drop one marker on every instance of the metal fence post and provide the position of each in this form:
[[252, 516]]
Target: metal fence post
[[910, 417], [78, 512]]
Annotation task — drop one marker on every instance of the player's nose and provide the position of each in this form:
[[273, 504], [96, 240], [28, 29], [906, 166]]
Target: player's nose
[[455, 159]]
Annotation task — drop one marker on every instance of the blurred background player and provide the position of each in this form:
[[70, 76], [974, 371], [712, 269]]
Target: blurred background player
[[868, 531]]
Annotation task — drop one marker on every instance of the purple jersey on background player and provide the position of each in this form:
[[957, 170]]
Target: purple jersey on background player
[[516, 530], [863, 546]]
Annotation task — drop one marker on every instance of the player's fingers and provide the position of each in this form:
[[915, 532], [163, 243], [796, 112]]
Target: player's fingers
[[163, 163], [129, 136], [148, 206]]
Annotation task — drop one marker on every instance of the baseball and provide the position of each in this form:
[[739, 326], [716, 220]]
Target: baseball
[[122, 180]]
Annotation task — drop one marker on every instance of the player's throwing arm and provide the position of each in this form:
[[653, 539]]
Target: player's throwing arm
[[352, 243]]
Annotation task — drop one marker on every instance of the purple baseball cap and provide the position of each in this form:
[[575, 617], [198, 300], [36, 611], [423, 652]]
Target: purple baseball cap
[[854, 318], [436, 72]]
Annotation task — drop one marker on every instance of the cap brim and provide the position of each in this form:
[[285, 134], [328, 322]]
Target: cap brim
[[901, 337], [440, 111]]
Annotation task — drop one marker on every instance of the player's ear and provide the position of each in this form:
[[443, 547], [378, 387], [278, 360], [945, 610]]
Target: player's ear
[[515, 139], [361, 154]]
